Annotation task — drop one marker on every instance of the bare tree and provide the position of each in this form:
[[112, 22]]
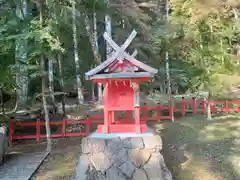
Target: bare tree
[[76, 56], [21, 58], [108, 29], [50, 79], [61, 81], [44, 89], [165, 11], [93, 37]]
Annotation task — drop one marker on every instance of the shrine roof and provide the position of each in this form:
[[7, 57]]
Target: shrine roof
[[121, 55], [149, 70], [122, 75]]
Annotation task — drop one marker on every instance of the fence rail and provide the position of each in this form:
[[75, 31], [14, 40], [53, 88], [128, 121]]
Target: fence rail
[[156, 112], [39, 123]]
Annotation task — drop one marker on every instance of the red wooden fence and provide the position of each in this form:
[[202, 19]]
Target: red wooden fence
[[38, 124], [147, 113]]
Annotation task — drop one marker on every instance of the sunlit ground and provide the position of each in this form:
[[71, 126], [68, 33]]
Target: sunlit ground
[[198, 149], [61, 163]]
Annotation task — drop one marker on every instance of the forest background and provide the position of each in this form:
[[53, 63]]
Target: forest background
[[47, 46]]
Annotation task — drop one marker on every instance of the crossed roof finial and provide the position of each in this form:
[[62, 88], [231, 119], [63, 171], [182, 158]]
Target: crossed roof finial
[[120, 54]]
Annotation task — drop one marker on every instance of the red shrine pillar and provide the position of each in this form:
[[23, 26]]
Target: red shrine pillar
[[137, 106], [106, 112]]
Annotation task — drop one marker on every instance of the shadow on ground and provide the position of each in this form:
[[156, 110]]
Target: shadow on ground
[[195, 148]]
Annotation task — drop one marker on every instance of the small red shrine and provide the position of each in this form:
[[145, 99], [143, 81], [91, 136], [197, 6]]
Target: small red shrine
[[121, 75]]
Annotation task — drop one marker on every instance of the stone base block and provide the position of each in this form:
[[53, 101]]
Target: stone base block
[[128, 158]]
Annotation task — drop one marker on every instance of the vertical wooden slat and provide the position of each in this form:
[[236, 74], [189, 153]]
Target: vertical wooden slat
[[64, 122], [238, 108], [171, 112], [38, 130], [183, 106], [212, 105], [158, 109], [88, 124], [194, 105], [204, 106], [226, 109], [11, 130]]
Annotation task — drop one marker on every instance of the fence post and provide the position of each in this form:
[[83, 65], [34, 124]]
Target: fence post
[[158, 109], [194, 105], [204, 104], [87, 124], [38, 130], [64, 122], [226, 109], [212, 106], [183, 106], [172, 109], [238, 109], [171, 112], [11, 130]]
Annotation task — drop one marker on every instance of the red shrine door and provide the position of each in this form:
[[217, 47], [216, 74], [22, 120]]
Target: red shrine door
[[120, 95]]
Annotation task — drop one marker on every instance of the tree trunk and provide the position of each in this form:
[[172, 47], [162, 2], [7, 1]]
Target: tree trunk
[[169, 89], [93, 38], [162, 11], [61, 82], [108, 29], [209, 113], [93, 90], [100, 91], [44, 101], [50, 79], [60, 70], [76, 56], [21, 60]]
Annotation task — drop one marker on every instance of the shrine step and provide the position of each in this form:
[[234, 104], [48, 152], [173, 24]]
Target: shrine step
[[116, 128]]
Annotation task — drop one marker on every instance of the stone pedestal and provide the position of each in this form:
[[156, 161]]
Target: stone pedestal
[[122, 158]]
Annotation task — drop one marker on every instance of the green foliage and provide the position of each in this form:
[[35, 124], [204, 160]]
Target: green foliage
[[201, 38]]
